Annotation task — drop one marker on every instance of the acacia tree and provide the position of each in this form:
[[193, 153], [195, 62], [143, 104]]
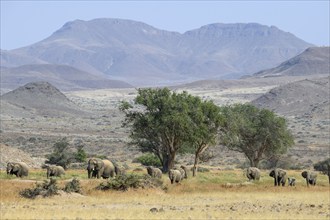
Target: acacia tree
[[324, 167], [258, 133], [160, 123], [207, 120]]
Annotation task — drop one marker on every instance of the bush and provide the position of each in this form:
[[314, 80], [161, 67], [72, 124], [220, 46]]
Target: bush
[[124, 182], [73, 186], [61, 154], [80, 155], [149, 159], [46, 189]]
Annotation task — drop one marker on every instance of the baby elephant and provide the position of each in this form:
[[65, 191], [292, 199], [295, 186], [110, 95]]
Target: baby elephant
[[54, 171], [175, 176], [252, 173], [310, 177], [292, 181], [154, 172]]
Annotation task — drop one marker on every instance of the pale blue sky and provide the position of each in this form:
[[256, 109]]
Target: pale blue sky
[[27, 22]]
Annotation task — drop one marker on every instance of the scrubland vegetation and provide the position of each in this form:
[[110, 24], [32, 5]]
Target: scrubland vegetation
[[217, 194]]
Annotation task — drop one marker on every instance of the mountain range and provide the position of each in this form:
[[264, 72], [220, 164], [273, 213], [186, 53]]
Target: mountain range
[[141, 55]]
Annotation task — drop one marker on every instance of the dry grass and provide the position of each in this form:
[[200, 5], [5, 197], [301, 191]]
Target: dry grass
[[208, 196]]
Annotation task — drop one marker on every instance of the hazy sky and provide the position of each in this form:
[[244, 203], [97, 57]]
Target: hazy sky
[[27, 22]]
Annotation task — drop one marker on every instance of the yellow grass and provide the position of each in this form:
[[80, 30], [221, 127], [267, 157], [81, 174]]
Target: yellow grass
[[208, 196]]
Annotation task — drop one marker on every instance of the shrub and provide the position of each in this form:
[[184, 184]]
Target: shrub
[[73, 186], [80, 155], [46, 189], [149, 159], [124, 182]]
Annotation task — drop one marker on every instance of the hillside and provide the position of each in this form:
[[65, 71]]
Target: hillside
[[298, 98], [62, 76], [314, 60], [37, 98], [140, 54]]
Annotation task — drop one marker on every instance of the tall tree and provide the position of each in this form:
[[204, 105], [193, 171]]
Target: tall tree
[[207, 120], [160, 122], [258, 133]]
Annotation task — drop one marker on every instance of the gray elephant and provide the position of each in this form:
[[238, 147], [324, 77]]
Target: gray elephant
[[279, 176], [185, 171], [100, 168], [119, 170], [175, 176], [291, 181], [19, 169], [154, 172], [252, 173], [53, 170], [310, 177]]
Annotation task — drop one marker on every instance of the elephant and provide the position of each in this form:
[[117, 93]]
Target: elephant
[[54, 171], [252, 173], [279, 176], [100, 168], [175, 176], [185, 171], [291, 181], [20, 169], [310, 177], [182, 171], [119, 170], [154, 172]]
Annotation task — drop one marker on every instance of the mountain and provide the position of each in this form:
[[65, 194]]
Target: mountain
[[314, 60], [309, 97], [62, 76], [38, 98], [140, 54]]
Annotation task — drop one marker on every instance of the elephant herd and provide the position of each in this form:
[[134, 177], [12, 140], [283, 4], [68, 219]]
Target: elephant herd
[[280, 176], [98, 168]]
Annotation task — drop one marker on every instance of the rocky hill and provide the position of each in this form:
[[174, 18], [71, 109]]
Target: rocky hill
[[62, 76], [314, 60], [304, 97], [38, 98], [143, 55]]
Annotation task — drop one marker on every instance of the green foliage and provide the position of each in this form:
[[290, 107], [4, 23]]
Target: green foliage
[[80, 155], [61, 154], [149, 159], [46, 189], [73, 186], [323, 166], [124, 182], [164, 123], [258, 133]]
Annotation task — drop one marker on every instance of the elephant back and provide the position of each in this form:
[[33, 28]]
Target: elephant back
[[109, 169], [24, 168]]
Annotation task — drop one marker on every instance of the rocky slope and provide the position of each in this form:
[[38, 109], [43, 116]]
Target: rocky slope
[[314, 60], [38, 98], [143, 55]]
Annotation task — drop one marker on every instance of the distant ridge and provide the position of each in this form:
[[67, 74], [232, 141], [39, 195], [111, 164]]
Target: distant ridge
[[142, 55], [314, 60], [63, 77]]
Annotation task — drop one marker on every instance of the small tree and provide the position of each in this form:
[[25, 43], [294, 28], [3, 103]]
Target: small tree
[[258, 133], [80, 155], [324, 167], [61, 154]]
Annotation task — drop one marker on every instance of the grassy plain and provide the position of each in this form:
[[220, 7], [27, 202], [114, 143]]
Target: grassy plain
[[213, 195]]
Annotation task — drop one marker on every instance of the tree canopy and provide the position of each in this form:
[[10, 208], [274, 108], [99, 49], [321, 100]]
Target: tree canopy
[[258, 133], [324, 167], [164, 122]]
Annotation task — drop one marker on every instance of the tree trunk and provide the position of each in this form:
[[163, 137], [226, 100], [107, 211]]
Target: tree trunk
[[165, 164], [195, 164]]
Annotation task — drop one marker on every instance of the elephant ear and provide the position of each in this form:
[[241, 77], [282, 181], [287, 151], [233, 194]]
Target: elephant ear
[[304, 174], [99, 164]]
